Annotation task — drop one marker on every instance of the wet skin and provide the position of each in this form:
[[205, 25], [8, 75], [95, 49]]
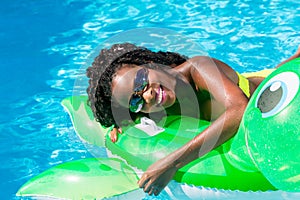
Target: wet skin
[[225, 109]]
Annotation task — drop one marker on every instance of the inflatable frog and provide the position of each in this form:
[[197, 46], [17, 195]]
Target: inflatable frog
[[269, 133]]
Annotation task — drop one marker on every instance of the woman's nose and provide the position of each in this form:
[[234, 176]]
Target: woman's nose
[[149, 95]]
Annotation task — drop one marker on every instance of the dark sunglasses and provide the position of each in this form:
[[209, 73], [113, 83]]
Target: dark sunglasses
[[136, 101]]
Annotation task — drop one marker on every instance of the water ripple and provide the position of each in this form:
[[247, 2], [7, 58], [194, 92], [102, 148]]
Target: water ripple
[[247, 35]]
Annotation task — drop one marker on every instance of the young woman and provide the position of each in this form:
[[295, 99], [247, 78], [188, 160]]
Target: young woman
[[127, 82]]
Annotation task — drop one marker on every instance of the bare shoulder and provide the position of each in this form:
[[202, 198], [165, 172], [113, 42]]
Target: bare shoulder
[[194, 65]]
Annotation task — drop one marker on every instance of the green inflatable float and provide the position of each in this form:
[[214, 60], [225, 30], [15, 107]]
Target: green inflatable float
[[83, 179], [262, 156], [269, 134]]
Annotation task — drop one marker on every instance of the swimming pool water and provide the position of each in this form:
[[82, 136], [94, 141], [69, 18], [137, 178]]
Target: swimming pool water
[[46, 45]]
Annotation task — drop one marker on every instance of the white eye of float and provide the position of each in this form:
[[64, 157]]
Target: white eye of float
[[277, 93]]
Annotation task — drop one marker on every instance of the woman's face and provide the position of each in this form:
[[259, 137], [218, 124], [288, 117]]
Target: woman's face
[[156, 94]]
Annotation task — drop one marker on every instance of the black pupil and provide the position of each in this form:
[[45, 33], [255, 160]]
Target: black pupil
[[269, 99]]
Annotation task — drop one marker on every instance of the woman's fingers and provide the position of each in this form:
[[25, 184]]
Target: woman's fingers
[[152, 189], [148, 187], [113, 135], [143, 181], [157, 191], [120, 130]]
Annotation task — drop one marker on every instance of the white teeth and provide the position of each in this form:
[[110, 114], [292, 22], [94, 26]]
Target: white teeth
[[160, 96]]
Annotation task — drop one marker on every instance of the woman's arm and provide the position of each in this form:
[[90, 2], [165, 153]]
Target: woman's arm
[[207, 75]]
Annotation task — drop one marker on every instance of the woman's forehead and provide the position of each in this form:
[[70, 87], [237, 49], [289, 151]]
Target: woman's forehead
[[122, 84], [125, 76]]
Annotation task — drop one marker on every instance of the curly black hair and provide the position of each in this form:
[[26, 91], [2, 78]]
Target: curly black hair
[[106, 64]]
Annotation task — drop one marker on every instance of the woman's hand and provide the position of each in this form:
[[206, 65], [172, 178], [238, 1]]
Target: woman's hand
[[114, 134], [157, 176]]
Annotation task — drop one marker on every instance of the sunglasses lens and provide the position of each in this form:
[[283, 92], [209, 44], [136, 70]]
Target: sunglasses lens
[[140, 82], [136, 103], [141, 79]]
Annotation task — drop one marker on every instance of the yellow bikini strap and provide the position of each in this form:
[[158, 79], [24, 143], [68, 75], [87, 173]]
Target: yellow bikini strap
[[244, 84]]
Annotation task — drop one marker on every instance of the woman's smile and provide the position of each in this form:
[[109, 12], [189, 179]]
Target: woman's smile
[[160, 96]]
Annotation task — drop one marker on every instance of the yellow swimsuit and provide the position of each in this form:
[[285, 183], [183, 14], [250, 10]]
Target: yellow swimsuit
[[244, 82]]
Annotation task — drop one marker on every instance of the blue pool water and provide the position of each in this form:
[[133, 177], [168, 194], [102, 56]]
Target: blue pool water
[[46, 45]]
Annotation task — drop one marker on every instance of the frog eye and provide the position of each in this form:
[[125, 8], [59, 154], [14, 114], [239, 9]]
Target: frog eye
[[277, 93]]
